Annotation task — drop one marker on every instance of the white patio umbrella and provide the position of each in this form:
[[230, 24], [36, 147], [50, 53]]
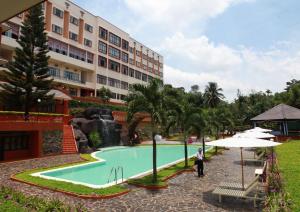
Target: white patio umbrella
[[253, 134], [258, 129], [242, 143]]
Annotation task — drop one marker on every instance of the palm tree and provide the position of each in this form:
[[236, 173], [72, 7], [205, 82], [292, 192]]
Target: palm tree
[[212, 94], [147, 99]]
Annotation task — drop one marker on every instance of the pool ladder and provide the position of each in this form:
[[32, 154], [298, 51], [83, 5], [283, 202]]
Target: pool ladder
[[116, 170]]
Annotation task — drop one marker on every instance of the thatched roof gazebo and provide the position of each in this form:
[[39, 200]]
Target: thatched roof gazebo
[[281, 113]]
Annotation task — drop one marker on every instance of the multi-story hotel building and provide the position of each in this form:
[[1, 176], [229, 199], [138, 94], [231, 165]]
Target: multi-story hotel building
[[87, 52]]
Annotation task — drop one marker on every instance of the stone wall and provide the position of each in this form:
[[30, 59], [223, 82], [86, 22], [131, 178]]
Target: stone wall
[[52, 142]]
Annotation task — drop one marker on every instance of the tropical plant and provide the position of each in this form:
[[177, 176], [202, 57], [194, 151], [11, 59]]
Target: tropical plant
[[105, 94], [147, 99], [95, 138], [212, 94], [27, 78]]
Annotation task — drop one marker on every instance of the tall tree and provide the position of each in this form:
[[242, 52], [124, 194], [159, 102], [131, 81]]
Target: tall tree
[[213, 94], [105, 94], [27, 78], [147, 99]]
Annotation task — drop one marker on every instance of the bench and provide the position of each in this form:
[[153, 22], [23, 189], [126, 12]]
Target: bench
[[237, 193]]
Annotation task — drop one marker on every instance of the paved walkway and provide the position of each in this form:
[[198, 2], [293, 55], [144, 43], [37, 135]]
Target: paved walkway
[[186, 192]]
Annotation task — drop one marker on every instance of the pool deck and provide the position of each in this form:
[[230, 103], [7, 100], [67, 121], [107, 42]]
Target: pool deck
[[186, 192]]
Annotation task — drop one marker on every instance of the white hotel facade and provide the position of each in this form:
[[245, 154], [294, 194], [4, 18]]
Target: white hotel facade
[[87, 52]]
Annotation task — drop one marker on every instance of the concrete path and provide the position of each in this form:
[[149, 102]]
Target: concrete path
[[186, 192]]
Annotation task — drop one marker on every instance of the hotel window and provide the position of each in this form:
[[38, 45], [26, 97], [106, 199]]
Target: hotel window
[[144, 77], [68, 75], [124, 57], [102, 61], [54, 72], [57, 46], [124, 70], [13, 32], [145, 67], [113, 52], [138, 53], [102, 47], [87, 42], [161, 65], [73, 91], [74, 20], [114, 82], [112, 65], [77, 53], [138, 75], [124, 85], [125, 44], [131, 61], [138, 64], [130, 49], [131, 72], [59, 13], [57, 29], [88, 28], [101, 79], [102, 33], [114, 39], [113, 95], [90, 57], [73, 36]]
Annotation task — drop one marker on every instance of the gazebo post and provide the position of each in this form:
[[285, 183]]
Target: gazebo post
[[286, 128], [254, 124], [242, 163]]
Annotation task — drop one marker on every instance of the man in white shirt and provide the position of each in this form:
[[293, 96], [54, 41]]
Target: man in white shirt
[[200, 162]]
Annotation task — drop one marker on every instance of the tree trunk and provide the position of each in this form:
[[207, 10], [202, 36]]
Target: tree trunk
[[185, 151], [203, 147], [154, 179]]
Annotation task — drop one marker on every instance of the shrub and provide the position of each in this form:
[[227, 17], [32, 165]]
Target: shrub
[[95, 138], [79, 104], [76, 111]]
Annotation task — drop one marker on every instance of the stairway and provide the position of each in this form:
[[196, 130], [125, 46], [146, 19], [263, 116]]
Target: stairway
[[69, 142]]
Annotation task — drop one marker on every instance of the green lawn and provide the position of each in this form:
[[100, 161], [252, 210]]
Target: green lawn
[[289, 165]]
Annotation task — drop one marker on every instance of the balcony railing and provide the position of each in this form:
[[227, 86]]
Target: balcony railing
[[67, 79]]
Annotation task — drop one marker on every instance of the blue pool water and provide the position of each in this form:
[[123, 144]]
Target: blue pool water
[[135, 161]]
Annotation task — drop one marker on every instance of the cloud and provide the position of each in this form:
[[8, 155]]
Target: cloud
[[200, 61], [178, 13], [201, 52]]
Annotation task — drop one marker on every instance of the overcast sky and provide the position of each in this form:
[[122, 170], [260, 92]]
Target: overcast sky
[[251, 45]]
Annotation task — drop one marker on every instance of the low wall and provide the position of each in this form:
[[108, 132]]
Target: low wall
[[284, 138]]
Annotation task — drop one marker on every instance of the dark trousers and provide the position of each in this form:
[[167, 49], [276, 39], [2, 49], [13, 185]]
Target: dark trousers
[[200, 167]]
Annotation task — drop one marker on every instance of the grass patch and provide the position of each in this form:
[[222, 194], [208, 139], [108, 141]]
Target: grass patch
[[88, 157], [14, 201], [163, 174], [68, 187], [288, 161], [175, 137]]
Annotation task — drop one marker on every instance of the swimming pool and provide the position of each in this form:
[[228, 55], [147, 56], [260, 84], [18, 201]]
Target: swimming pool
[[135, 161]]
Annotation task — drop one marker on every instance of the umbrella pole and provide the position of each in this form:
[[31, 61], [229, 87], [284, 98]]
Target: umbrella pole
[[242, 163]]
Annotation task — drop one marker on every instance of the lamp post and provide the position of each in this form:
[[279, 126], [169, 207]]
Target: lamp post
[[38, 104]]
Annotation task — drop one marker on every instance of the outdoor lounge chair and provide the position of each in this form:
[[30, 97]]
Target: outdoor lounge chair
[[237, 193], [259, 159], [232, 185]]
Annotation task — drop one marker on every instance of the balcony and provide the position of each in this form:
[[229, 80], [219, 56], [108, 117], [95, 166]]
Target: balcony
[[61, 56], [67, 79]]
